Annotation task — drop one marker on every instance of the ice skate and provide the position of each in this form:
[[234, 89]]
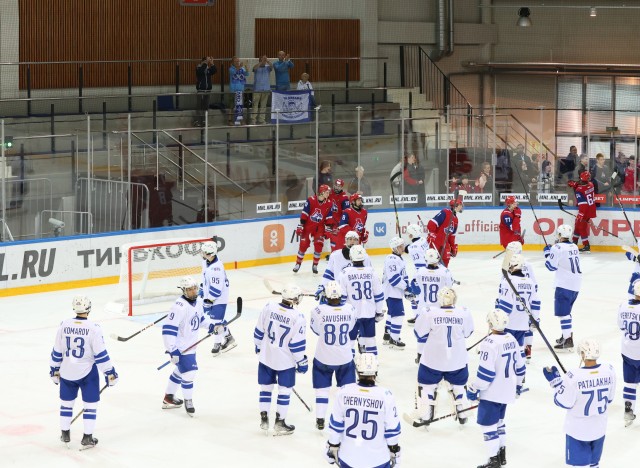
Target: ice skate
[[281, 427], [396, 344], [494, 462], [264, 420], [296, 267], [215, 351], [88, 442], [412, 321], [585, 249], [188, 406], [527, 353], [170, 402], [462, 418], [386, 337], [502, 455], [565, 345], [314, 269], [65, 437], [426, 420], [229, 344], [320, 423], [628, 414]]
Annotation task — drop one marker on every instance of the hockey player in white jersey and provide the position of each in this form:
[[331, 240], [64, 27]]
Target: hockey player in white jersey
[[215, 288], [527, 269], [180, 331], [629, 323], [586, 393], [280, 339], [77, 356], [362, 289], [497, 384], [635, 275], [430, 279], [442, 353], [396, 287], [364, 428], [332, 321], [338, 261], [508, 301], [416, 251], [564, 259]]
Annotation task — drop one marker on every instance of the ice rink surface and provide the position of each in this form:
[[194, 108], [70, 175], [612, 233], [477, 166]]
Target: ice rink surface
[[134, 431]]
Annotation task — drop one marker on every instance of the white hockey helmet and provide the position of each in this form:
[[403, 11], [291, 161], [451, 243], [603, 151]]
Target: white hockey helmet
[[497, 319], [516, 262], [333, 290], [588, 349], [395, 243], [515, 247], [187, 283], [413, 231], [357, 253], [367, 365], [353, 237], [209, 249], [447, 297], [432, 256], [565, 231], [636, 288], [81, 304], [291, 293]]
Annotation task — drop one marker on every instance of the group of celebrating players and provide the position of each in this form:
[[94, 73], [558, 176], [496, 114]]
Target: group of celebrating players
[[364, 424]]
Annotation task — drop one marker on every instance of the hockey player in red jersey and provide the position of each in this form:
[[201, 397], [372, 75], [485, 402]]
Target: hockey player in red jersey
[[510, 222], [340, 201], [354, 218], [316, 214], [442, 230], [585, 199]]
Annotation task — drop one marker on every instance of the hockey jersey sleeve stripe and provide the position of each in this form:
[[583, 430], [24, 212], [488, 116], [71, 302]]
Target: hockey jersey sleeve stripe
[[102, 360], [169, 327], [328, 275], [100, 354], [56, 353], [486, 371], [258, 335], [394, 280], [378, 297], [549, 266], [298, 347], [56, 358], [388, 433], [335, 425], [521, 371], [169, 333], [504, 305], [215, 292], [421, 339], [485, 378], [630, 256]]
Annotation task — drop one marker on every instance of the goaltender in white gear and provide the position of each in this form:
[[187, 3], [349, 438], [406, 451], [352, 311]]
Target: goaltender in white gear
[[364, 428]]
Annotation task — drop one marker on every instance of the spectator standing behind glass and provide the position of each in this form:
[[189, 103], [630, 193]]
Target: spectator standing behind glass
[[324, 174], [630, 176], [204, 71], [621, 165], [584, 164], [484, 182], [237, 81], [414, 178], [261, 89], [504, 174], [305, 85], [567, 165], [601, 174], [524, 171], [281, 67], [365, 186]]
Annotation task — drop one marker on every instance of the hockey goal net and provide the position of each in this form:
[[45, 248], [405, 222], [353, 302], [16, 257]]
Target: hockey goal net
[[150, 271]]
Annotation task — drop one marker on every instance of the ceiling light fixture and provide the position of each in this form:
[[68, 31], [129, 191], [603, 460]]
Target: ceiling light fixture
[[523, 20], [593, 12]]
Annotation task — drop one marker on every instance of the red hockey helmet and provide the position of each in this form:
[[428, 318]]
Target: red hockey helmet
[[338, 185], [510, 200], [585, 176], [324, 189], [353, 198], [455, 202]]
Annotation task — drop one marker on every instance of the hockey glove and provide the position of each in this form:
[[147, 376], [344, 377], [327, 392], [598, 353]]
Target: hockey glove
[[431, 239], [332, 452], [54, 373], [572, 183], [257, 350], [299, 230], [320, 295], [472, 393], [111, 377], [418, 358], [175, 356], [552, 375], [415, 289], [365, 237], [207, 307], [547, 251], [394, 452], [518, 390], [302, 366], [454, 250], [379, 316], [328, 228], [408, 294]]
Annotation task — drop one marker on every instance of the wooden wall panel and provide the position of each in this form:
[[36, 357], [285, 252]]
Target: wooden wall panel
[[129, 30], [312, 38]]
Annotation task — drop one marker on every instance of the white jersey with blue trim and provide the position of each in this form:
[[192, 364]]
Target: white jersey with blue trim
[[635, 275], [180, 328], [365, 422], [332, 324], [586, 393], [501, 368], [527, 269], [215, 286], [564, 259], [337, 263], [79, 344], [509, 302], [394, 276], [362, 289], [429, 281], [629, 323], [441, 334], [280, 334], [416, 250]]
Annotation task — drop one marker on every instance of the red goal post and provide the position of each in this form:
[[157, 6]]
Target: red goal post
[[150, 271]]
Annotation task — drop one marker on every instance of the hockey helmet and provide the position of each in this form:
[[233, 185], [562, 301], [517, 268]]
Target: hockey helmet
[[351, 238], [324, 190], [456, 202], [516, 262], [357, 253], [414, 231], [338, 185], [515, 247], [565, 231], [355, 197], [81, 304], [396, 243], [447, 297], [332, 290], [585, 176], [588, 349], [432, 256], [510, 200], [209, 249], [187, 283], [291, 293], [367, 365], [497, 319]]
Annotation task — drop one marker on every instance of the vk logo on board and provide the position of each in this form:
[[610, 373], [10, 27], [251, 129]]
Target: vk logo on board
[[380, 229]]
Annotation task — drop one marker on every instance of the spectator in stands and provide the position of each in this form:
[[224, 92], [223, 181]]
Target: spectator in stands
[[365, 187], [583, 165], [455, 181], [204, 71], [305, 85], [324, 174], [524, 171], [465, 184], [545, 180], [601, 175], [504, 174], [281, 67], [484, 182], [630, 176], [413, 175], [621, 165], [261, 89], [567, 165], [237, 81], [545, 165]]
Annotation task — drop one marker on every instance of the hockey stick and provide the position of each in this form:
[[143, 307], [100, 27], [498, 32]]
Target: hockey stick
[[505, 273], [267, 285], [393, 177], [615, 193], [562, 207], [82, 410], [477, 343], [530, 204], [208, 335], [301, 400], [121, 338], [293, 234], [407, 417], [498, 254], [423, 227], [629, 249]]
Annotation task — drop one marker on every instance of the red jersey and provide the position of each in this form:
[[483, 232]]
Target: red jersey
[[316, 213], [585, 199], [510, 226], [444, 226], [353, 220], [340, 203]]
